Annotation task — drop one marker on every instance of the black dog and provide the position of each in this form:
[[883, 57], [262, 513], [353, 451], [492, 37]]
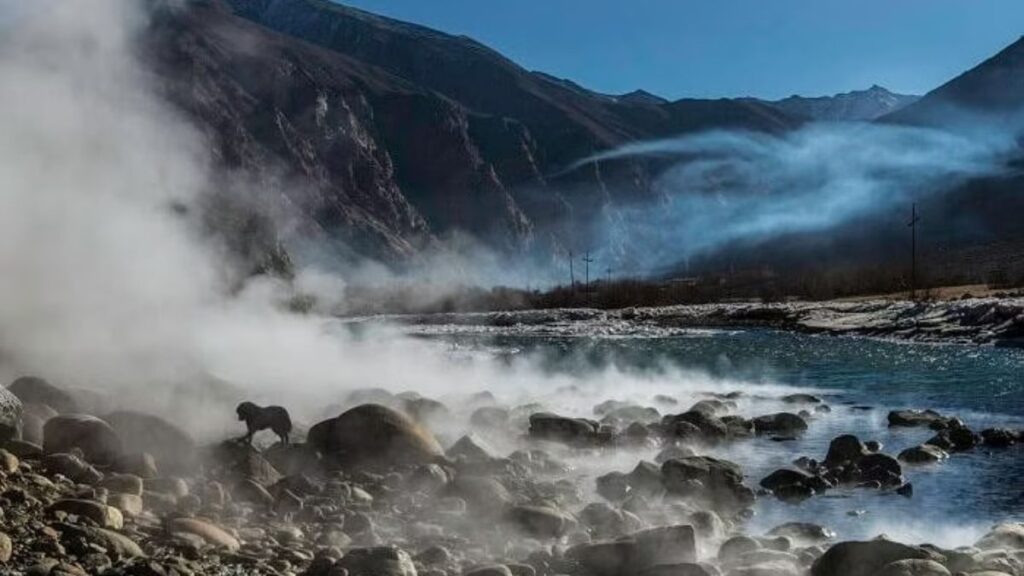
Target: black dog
[[258, 418]]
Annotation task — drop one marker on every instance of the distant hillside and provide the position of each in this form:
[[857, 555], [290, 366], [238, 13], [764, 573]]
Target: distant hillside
[[858, 105], [994, 88], [390, 136], [402, 133]]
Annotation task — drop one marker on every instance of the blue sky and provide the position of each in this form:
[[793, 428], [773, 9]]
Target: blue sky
[[713, 48]]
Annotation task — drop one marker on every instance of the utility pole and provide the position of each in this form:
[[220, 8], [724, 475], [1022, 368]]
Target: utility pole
[[572, 276], [914, 219], [587, 260], [608, 272]]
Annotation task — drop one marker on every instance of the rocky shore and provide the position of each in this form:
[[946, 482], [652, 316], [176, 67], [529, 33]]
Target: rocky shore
[[986, 321], [373, 491]]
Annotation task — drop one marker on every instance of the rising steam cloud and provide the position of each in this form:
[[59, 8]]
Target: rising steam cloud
[[106, 284], [736, 186]]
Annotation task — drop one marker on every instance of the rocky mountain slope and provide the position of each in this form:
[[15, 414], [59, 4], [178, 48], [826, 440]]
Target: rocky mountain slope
[[386, 137], [390, 135], [994, 88], [858, 105]]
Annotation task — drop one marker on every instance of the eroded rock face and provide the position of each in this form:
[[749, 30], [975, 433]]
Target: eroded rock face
[[372, 435]]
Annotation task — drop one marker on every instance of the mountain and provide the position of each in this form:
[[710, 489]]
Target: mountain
[[970, 233], [858, 105], [391, 135], [994, 88]]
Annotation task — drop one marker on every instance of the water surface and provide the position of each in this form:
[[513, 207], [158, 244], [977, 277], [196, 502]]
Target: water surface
[[861, 379]]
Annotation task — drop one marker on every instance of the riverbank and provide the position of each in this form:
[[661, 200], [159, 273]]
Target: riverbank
[[984, 321]]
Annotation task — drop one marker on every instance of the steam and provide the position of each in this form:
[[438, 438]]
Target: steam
[[728, 187], [106, 283]]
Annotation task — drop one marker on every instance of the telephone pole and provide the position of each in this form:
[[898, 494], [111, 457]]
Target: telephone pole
[[587, 260], [572, 275], [914, 219]]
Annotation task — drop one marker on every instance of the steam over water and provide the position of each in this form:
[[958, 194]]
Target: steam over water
[[954, 502]]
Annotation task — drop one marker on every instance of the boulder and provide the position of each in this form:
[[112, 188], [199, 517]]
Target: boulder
[[880, 468], [33, 418], [104, 516], [540, 521], [734, 547], [605, 558], [632, 413], [425, 410], [783, 423], [23, 449], [379, 561], [117, 545], [290, 459], [123, 483], [864, 558], [172, 447], [489, 417], [603, 520], [210, 533], [492, 570], [682, 569], [719, 483], [673, 452], [914, 568], [470, 448], [30, 389], [784, 477], [374, 436], [95, 438], [710, 428], [915, 418], [664, 545], [1008, 536], [72, 467], [1000, 437], [844, 449], [923, 454], [141, 464], [482, 494], [803, 533], [10, 416], [548, 426], [712, 407], [6, 548], [801, 399], [232, 461]]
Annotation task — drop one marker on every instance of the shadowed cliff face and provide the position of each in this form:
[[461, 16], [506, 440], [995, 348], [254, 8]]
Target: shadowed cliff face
[[380, 138], [386, 136]]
